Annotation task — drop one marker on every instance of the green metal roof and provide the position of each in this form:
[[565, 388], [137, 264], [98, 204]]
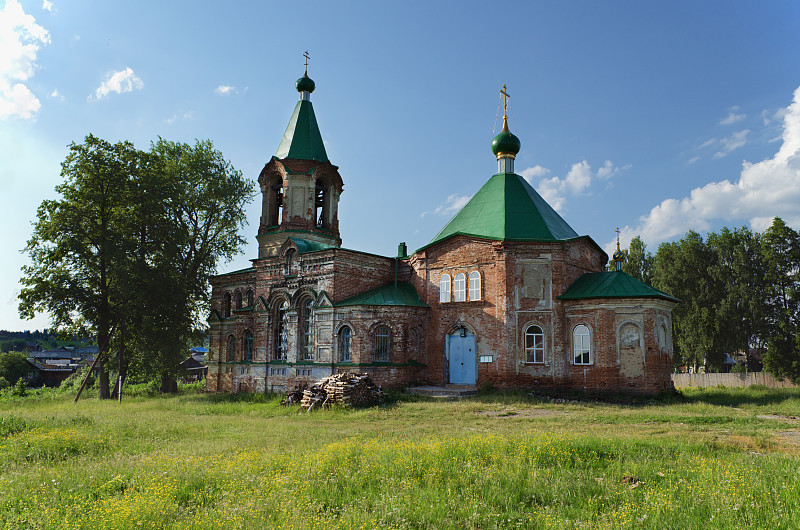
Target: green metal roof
[[302, 139], [241, 271], [304, 246], [508, 208], [611, 284], [402, 294]]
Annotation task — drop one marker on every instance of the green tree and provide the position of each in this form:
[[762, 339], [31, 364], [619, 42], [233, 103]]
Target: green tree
[[183, 235], [13, 367], [683, 270], [780, 251], [80, 243], [127, 250], [739, 270]]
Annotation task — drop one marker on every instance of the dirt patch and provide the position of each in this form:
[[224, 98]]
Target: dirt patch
[[792, 437], [777, 417], [520, 413]]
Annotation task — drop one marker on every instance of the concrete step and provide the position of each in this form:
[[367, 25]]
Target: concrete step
[[447, 391]]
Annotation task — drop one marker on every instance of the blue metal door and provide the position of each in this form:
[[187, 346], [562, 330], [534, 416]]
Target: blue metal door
[[462, 359]]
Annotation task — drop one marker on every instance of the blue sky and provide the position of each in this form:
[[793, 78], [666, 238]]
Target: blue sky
[[654, 117]]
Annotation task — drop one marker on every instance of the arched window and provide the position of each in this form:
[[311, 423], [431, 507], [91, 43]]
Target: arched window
[[281, 331], [272, 201], [460, 287], [250, 298], [383, 341], [290, 262], [444, 288], [534, 344], [238, 298], [581, 346], [231, 348], [306, 330], [662, 337], [248, 346], [474, 285], [322, 204], [345, 344], [226, 306]]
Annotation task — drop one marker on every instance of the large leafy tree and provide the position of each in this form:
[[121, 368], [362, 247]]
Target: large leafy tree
[[738, 269], [780, 252], [683, 270], [80, 243], [127, 250], [194, 223]]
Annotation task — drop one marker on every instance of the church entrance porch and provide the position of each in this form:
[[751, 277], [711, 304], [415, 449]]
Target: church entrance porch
[[461, 350]]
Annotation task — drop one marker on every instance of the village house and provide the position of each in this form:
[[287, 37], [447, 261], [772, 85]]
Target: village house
[[507, 293]]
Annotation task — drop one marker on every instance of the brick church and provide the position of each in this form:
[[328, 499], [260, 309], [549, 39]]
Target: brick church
[[507, 293]]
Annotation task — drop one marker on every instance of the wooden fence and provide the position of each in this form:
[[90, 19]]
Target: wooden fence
[[742, 380]]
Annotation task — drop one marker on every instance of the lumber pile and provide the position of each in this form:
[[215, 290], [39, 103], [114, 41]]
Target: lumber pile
[[344, 390]]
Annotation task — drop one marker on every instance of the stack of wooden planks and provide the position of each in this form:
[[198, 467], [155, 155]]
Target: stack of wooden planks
[[345, 390]]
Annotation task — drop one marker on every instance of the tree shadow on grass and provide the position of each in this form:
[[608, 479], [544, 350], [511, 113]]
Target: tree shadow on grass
[[757, 395]]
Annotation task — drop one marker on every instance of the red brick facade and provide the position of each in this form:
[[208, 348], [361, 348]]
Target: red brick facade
[[519, 285], [290, 319]]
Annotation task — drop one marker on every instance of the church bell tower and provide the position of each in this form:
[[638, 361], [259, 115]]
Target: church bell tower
[[300, 188]]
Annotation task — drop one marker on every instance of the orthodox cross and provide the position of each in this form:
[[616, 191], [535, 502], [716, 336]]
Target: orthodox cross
[[505, 99], [617, 231], [305, 54]]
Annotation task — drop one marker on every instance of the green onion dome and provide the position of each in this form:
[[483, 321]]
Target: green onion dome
[[305, 84], [505, 143]]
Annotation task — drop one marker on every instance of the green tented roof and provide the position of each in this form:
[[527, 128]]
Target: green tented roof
[[508, 208], [302, 139], [402, 294], [304, 246], [611, 284]]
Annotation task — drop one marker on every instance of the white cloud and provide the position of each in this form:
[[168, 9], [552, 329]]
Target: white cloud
[[555, 189], [47, 5], [20, 40], [175, 117], [119, 82], [56, 95], [732, 142], [225, 90], [732, 116], [451, 205], [763, 191], [533, 172]]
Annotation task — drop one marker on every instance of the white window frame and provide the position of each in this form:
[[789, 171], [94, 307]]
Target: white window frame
[[307, 329], [460, 287], [474, 286], [282, 331], [534, 353], [582, 345], [444, 288]]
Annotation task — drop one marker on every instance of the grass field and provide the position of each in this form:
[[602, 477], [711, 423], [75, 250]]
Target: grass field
[[713, 458]]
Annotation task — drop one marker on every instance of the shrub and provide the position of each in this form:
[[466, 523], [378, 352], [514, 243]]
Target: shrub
[[20, 389], [13, 365], [3, 382]]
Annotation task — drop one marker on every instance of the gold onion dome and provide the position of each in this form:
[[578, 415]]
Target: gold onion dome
[[505, 143]]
